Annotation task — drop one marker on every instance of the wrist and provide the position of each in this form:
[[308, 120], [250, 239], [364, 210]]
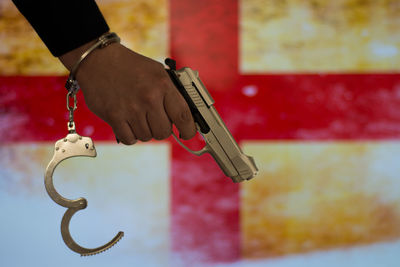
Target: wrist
[[70, 58]]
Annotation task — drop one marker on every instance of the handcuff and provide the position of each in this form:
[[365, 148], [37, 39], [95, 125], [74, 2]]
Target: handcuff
[[75, 145]]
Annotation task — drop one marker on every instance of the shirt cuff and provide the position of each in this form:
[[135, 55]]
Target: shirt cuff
[[64, 25]]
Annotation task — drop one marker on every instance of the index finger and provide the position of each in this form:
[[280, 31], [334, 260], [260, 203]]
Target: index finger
[[179, 113]]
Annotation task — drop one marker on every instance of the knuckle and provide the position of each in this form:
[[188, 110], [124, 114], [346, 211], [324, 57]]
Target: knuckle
[[150, 98], [188, 136], [184, 116], [128, 142], [134, 109], [163, 135], [145, 138], [165, 81], [159, 136]]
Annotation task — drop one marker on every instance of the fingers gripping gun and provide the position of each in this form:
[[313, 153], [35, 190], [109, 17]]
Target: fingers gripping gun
[[219, 141]]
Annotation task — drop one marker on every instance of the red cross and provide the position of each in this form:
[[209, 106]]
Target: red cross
[[205, 204]]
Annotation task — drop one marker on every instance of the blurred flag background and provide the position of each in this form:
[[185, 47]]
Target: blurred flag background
[[311, 89]]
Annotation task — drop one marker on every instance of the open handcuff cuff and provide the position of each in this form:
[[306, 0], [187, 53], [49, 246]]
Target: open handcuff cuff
[[75, 145]]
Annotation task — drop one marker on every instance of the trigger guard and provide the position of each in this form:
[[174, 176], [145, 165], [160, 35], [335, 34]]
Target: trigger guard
[[197, 153]]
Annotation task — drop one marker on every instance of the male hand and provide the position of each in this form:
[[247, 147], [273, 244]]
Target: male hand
[[132, 93]]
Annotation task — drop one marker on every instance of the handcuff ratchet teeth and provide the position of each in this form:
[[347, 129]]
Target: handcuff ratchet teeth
[[73, 145]]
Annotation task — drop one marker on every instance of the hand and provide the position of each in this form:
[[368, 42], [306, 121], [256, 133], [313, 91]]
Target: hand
[[132, 93]]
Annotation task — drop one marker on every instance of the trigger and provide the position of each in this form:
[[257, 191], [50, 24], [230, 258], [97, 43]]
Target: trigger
[[197, 153]]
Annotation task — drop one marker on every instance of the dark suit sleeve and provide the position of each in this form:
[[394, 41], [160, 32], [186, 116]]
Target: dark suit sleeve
[[64, 25]]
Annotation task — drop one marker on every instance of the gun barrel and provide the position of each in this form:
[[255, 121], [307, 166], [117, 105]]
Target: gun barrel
[[226, 152]]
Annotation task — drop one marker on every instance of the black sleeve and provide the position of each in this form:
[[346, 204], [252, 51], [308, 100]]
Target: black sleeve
[[64, 25]]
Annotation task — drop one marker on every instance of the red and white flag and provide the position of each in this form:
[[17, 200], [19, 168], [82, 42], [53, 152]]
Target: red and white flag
[[310, 89]]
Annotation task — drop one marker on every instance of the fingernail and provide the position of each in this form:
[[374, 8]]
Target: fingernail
[[117, 140]]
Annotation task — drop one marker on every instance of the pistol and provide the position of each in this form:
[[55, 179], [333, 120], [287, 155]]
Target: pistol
[[219, 141]]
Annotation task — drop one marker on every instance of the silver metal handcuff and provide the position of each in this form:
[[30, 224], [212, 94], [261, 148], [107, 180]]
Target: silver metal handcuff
[[75, 145]]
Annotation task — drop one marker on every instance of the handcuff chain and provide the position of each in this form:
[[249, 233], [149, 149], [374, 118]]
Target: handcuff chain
[[71, 109]]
